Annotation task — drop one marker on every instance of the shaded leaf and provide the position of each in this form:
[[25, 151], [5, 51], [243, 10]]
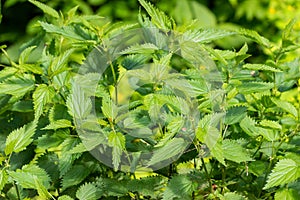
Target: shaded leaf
[[20, 138], [74, 176]]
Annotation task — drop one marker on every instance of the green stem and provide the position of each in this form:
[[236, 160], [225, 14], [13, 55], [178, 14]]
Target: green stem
[[207, 175], [115, 82], [17, 191]]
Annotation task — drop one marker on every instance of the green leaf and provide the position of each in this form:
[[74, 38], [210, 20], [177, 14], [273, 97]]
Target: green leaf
[[25, 55], [233, 196], [261, 67], [218, 153], [74, 176], [42, 190], [3, 179], [173, 148], [254, 36], [45, 8], [159, 18], [270, 124], [285, 171], [80, 148], [66, 31], [147, 186], [88, 191], [286, 194], [146, 48], [79, 105], [254, 87], [65, 197], [66, 159], [179, 187], [206, 35], [235, 114], [62, 123], [19, 139], [23, 106], [28, 176], [286, 106], [233, 151], [208, 136], [109, 108], [117, 142], [17, 85], [7, 73], [42, 95], [59, 64], [248, 125]]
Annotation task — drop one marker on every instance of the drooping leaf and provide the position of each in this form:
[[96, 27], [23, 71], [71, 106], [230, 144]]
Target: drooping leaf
[[19, 139], [74, 176], [233, 151], [46, 9], [285, 171]]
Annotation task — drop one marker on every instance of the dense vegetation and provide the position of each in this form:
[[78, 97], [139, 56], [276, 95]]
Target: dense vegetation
[[182, 102]]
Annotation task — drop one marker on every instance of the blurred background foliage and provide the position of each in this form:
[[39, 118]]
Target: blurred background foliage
[[267, 17]]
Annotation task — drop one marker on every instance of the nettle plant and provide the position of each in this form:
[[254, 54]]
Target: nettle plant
[[148, 111]]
